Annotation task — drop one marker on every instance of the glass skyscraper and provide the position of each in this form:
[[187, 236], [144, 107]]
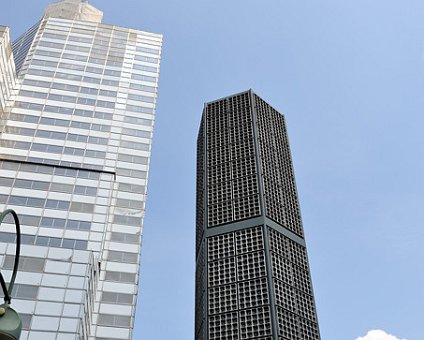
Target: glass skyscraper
[[77, 108], [252, 272]]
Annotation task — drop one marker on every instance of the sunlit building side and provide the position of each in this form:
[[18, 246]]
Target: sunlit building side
[[77, 99]]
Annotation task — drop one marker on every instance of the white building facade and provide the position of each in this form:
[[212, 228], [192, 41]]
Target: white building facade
[[75, 138]]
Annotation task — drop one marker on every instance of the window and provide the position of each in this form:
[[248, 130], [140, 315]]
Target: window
[[104, 103], [33, 94], [62, 98], [89, 90], [136, 133], [22, 291], [140, 189], [131, 173], [143, 87], [103, 115], [58, 109], [42, 169], [99, 127], [50, 134], [72, 66], [108, 93], [84, 190], [95, 154], [82, 207], [143, 78], [95, 70], [132, 159], [27, 201], [59, 187], [86, 101], [51, 222], [37, 83], [125, 238], [65, 172], [77, 48], [26, 320], [140, 109], [130, 204], [110, 82], [6, 182], [57, 204], [29, 220], [78, 225], [91, 80], [7, 237], [67, 76], [146, 59], [136, 120], [117, 298], [127, 220], [121, 256], [80, 125], [65, 87], [114, 320], [113, 73], [27, 184], [147, 50], [73, 151], [120, 277], [98, 140], [26, 264], [46, 148], [141, 98], [76, 57], [145, 68]]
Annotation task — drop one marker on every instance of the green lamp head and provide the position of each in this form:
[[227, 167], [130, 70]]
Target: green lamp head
[[10, 323]]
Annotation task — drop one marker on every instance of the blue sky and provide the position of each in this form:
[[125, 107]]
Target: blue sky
[[349, 76]]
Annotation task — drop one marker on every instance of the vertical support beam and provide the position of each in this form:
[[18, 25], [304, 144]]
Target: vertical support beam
[[205, 223], [268, 262]]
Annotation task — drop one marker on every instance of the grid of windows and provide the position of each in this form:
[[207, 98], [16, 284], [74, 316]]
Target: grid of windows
[[253, 282], [279, 185], [292, 286], [232, 187], [237, 283], [200, 293], [7, 68], [74, 157]]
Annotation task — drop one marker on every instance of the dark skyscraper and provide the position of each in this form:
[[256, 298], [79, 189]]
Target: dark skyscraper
[[252, 272]]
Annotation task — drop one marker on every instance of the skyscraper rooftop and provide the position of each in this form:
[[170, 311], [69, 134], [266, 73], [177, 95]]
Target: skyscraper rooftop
[[74, 10]]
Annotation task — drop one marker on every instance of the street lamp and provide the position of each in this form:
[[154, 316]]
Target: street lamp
[[10, 323]]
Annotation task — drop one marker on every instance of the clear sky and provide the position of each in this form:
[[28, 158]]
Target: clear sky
[[349, 76]]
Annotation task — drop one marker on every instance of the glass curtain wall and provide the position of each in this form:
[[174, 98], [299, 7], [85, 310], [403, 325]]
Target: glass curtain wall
[[74, 158]]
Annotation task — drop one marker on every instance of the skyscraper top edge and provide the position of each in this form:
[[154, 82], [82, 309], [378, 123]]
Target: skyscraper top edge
[[4, 30], [74, 10], [158, 36], [251, 91], [232, 95]]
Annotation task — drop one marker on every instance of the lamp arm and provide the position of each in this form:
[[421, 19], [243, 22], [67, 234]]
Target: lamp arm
[[8, 291]]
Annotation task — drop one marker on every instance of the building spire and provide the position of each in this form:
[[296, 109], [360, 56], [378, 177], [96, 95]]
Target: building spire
[[74, 10]]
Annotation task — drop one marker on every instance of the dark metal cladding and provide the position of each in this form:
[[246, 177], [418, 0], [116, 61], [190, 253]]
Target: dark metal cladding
[[252, 272]]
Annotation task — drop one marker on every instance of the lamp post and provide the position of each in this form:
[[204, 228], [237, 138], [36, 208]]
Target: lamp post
[[10, 323]]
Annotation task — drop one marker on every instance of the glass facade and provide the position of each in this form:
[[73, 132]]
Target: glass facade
[[74, 157], [7, 69], [252, 272]]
